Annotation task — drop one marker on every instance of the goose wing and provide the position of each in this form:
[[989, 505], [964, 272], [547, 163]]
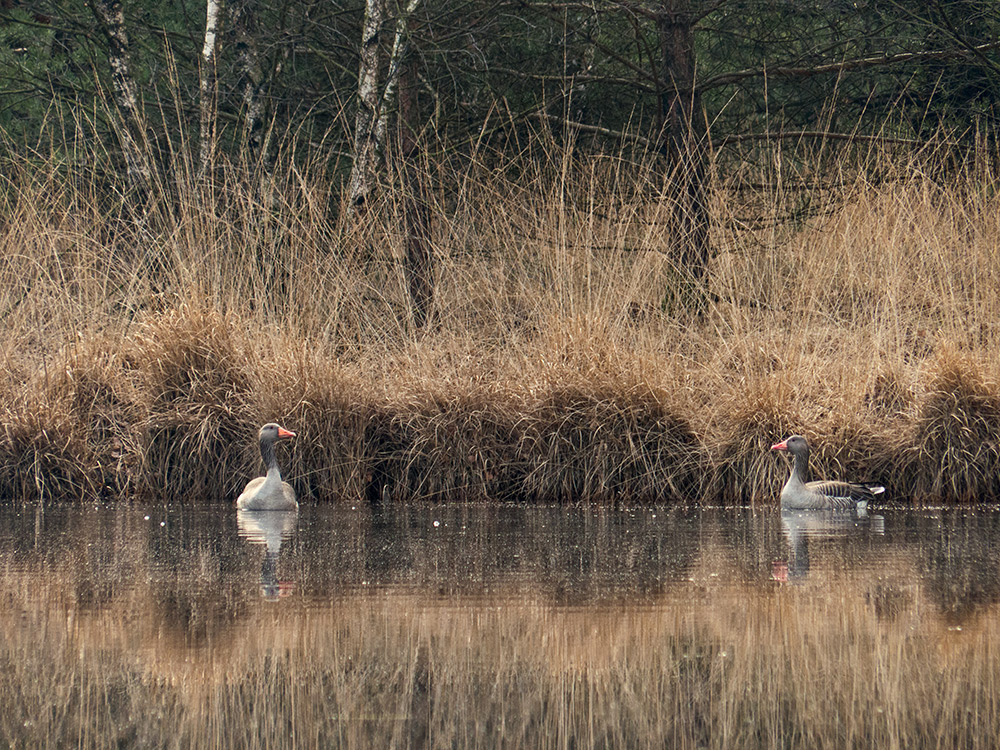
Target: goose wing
[[845, 494]]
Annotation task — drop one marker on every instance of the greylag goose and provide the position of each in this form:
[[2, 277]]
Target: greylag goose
[[269, 492], [801, 494]]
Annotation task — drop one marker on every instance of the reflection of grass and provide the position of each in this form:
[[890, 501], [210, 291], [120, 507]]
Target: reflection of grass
[[142, 355], [848, 659]]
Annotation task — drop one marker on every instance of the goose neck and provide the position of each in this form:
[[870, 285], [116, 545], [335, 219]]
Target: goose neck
[[267, 453], [800, 466]]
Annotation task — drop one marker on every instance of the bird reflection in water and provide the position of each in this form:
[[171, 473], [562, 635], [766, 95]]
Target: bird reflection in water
[[269, 528], [799, 526]]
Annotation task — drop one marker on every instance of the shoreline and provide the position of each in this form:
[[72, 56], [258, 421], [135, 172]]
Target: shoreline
[[567, 356], [171, 412]]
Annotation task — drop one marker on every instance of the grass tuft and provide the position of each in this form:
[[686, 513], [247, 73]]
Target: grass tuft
[[196, 369], [956, 437], [606, 443], [749, 423], [44, 452]]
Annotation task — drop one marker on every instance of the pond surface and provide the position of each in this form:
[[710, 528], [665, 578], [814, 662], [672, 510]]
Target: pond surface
[[468, 626]]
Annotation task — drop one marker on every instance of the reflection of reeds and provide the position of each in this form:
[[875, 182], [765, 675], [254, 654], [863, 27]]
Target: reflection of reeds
[[560, 363], [711, 664], [161, 637]]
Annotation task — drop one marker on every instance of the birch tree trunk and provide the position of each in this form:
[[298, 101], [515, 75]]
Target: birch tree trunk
[[131, 130], [684, 131], [243, 18], [362, 173], [209, 87], [400, 88], [370, 146], [400, 48]]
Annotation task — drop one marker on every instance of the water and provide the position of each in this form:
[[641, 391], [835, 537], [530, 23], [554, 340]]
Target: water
[[467, 626]]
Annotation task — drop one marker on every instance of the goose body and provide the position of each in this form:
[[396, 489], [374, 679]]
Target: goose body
[[269, 492], [799, 493]]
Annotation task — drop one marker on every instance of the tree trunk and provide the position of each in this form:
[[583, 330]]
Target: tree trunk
[[370, 147], [419, 265], [362, 173], [684, 138], [209, 87], [131, 133], [397, 58], [243, 18]]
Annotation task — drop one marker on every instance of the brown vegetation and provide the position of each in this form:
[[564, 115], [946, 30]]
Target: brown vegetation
[[560, 362]]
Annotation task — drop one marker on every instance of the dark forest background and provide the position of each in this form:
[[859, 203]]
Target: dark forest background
[[598, 72]]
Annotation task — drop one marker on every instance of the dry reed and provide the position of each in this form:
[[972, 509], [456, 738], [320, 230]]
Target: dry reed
[[560, 362]]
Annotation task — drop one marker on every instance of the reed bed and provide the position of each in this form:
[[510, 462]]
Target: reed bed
[[562, 360]]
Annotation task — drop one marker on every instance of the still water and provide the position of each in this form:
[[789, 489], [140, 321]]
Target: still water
[[467, 626]]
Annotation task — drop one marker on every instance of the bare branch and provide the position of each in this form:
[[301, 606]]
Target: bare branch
[[596, 129], [726, 79], [577, 77], [825, 136]]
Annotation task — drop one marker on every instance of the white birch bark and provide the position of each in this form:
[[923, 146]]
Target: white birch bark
[[400, 46], [111, 17], [362, 173], [208, 86], [243, 17]]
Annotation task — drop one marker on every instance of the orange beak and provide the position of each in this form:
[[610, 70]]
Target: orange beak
[[782, 446], [283, 433]]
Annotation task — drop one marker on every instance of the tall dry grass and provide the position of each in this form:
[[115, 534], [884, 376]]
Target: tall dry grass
[[560, 363]]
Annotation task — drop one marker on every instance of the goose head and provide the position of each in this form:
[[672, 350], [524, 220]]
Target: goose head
[[796, 445], [273, 432]]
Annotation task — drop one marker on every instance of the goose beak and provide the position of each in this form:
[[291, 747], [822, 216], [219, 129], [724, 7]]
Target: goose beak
[[283, 433], [782, 446]]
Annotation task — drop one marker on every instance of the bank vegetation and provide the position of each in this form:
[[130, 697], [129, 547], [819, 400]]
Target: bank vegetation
[[851, 296]]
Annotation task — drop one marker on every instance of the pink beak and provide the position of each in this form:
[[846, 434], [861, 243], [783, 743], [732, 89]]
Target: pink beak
[[283, 433], [780, 446]]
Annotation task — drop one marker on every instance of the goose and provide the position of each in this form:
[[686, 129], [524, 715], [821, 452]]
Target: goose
[[801, 494], [269, 492]]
